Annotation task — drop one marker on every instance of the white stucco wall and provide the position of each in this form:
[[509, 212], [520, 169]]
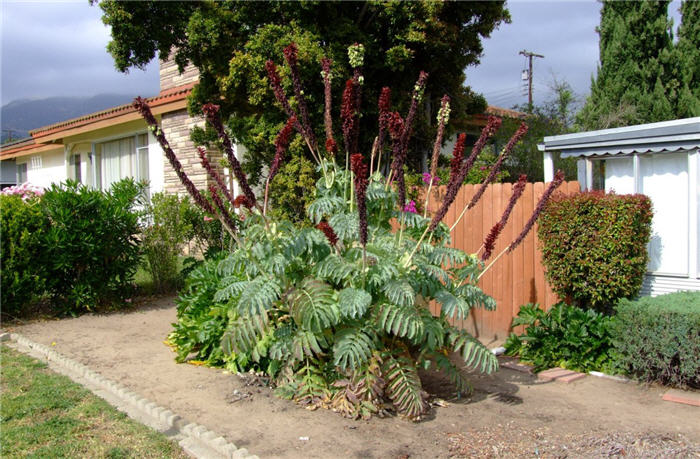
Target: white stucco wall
[[156, 171], [52, 169]]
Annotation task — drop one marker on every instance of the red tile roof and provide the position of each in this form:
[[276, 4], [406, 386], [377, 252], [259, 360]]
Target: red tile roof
[[166, 96]]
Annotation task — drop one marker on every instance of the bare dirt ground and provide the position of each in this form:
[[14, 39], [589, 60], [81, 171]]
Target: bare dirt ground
[[510, 414]]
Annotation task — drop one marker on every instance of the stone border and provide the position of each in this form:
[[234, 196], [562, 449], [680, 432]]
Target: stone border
[[195, 439]]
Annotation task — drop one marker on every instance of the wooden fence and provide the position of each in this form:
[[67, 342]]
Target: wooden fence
[[516, 278]]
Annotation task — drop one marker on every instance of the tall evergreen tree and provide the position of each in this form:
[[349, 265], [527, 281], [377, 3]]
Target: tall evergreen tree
[[687, 56], [635, 81]]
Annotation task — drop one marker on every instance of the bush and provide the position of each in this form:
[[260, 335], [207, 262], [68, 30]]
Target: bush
[[163, 240], [594, 246], [201, 321], [289, 192], [91, 247], [565, 336], [658, 339], [22, 229]]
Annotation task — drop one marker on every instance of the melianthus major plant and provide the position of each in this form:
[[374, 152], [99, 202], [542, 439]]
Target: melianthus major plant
[[337, 313]]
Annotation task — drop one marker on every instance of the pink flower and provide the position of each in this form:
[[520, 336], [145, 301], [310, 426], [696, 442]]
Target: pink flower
[[427, 179], [410, 207], [207, 219]]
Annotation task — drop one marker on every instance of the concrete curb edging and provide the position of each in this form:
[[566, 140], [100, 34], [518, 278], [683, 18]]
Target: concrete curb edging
[[196, 440]]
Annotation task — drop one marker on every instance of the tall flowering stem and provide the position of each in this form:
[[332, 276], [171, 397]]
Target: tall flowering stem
[[348, 114], [211, 112], [453, 184], [214, 174], [331, 146], [519, 134], [280, 95], [458, 172], [223, 211], [553, 185], [281, 144], [359, 168], [142, 106], [384, 116], [401, 148], [443, 117], [290, 55], [490, 241]]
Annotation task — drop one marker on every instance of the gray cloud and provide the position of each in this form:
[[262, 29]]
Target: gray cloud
[[58, 49], [562, 31]]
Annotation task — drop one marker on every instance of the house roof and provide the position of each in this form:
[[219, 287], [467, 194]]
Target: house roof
[[49, 137], [683, 134]]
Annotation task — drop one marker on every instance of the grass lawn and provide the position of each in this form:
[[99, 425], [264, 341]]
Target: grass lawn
[[44, 414]]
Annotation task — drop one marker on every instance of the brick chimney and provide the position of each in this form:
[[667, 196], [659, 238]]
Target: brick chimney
[[171, 77]]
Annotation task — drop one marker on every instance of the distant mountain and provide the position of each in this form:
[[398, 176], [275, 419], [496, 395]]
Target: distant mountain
[[21, 116]]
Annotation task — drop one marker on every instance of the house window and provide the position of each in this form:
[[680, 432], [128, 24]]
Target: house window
[[119, 159], [74, 172], [36, 162], [21, 173]]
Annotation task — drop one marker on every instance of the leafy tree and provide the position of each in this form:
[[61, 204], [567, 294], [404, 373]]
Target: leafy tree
[[635, 81], [230, 42], [687, 52]]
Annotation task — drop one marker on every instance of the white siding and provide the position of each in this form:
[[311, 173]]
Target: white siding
[[156, 171], [654, 285]]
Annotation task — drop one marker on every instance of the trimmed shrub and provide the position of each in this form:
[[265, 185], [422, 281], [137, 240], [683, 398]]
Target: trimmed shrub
[[594, 246], [91, 247], [658, 339], [22, 227], [564, 336]]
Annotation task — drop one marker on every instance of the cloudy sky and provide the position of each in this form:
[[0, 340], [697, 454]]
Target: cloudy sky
[[58, 49]]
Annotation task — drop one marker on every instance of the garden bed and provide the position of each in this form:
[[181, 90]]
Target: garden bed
[[510, 413]]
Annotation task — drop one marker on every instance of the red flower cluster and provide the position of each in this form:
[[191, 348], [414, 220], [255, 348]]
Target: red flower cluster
[[359, 168], [142, 106], [213, 173], [457, 158], [327, 117], [348, 113], [281, 144], [522, 130], [222, 209], [331, 146], [211, 112], [395, 126], [290, 55], [384, 117], [242, 200], [328, 231], [558, 179], [490, 241], [492, 125]]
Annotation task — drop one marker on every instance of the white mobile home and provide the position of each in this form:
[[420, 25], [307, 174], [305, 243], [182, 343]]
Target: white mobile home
[[662, 161]]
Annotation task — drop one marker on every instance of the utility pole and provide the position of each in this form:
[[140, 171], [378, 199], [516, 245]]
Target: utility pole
[[529, 56]]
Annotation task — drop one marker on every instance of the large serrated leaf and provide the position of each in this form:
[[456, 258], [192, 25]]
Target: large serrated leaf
[[354, 302]]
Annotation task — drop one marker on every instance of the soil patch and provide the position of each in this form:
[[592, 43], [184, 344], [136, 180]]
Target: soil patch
[[509, 414]]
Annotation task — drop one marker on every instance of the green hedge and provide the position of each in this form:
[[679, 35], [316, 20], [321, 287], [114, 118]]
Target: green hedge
[[594, 246], [658, 339], [22, 229], [77, 245]]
